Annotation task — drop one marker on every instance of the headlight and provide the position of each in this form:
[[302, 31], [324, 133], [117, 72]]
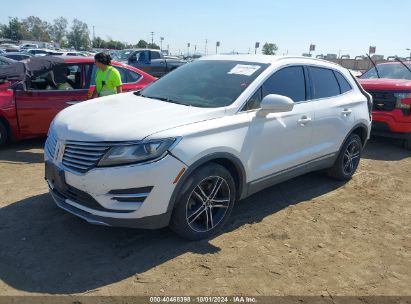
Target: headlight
[[137, 153]]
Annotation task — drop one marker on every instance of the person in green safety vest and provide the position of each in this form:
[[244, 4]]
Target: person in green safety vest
[[108, 79]]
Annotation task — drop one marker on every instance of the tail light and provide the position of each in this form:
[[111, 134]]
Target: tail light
[[403, 102]]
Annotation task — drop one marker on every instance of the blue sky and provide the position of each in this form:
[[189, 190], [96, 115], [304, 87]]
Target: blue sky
[[349, 27]]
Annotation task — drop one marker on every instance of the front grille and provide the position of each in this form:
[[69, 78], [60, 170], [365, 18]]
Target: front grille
[[50, 145], [383, 100], [81, 157]]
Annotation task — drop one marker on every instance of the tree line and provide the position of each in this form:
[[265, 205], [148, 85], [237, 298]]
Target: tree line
[[58, 31]]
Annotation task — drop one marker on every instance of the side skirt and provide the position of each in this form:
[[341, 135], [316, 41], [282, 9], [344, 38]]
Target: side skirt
[[317, 164]]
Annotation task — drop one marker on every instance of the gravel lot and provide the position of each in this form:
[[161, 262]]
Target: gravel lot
[[307, 236]]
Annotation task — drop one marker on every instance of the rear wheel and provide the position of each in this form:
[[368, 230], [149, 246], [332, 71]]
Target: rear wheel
[[205, 204], [3, 134], [348, 159]]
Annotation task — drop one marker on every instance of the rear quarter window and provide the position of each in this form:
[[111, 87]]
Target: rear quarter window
[[342, 81]]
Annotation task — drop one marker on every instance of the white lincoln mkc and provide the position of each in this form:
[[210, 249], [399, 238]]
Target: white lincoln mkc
[[183, 150]]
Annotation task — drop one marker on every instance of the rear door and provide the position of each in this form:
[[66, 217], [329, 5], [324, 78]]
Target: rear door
[[48, 94], [333, 106]]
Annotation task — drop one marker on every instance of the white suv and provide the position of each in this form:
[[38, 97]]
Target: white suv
[[183, 150]]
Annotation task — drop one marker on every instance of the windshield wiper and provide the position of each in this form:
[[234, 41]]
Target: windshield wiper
[[162, 99], [375, 66], [406, 66]]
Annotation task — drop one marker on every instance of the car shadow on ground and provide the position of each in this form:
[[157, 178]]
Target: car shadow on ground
[[47, 250], [22, 152], [387, 149]]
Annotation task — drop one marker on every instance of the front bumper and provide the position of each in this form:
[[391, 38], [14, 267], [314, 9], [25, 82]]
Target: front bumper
[[148, 222], [394, 121], [98, 196]]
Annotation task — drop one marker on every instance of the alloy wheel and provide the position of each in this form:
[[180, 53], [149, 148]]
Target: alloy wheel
[[351, 157], [208, 203]]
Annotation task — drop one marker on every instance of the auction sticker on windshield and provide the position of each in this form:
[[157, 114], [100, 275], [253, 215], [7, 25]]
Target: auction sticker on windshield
[[244, 69]]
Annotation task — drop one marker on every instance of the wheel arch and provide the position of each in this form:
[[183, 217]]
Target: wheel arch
[[227, 160], [361, 130]]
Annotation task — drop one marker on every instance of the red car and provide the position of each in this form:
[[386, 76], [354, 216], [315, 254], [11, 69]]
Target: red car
[[27, 109], [390, 86]]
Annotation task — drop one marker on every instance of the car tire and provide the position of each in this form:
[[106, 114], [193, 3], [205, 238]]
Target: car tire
[[348, 159], [407, 144], [3, 134], [205, 203]]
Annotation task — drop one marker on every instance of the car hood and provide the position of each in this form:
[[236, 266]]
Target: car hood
[[125, 117], [385, 84]]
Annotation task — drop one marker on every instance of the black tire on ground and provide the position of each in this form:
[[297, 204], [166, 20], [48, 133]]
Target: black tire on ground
[[205, 203], [348, 159], [407, 144], [3, 134]]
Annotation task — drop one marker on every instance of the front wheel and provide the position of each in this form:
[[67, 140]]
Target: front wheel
[[205, 204], [348, 159]]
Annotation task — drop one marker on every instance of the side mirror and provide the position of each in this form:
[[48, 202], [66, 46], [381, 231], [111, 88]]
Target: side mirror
[[274, 103], [132, 58]]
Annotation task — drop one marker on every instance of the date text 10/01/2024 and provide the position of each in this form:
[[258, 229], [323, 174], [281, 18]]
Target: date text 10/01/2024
[[203, 299]]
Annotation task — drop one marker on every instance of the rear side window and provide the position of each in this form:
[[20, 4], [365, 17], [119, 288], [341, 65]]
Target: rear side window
[[155, 55], [288, 82], [324, 83], [344, 84], [133, 76], [127, 76]]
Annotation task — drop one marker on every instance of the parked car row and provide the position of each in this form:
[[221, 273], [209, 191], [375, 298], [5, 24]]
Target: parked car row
[[181, 150]]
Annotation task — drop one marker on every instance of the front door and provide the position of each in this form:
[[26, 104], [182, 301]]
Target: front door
[[48, 94], [280, 141]]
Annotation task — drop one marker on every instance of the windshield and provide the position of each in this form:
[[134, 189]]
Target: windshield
[[392, 71], [205, 83], [121, 55]]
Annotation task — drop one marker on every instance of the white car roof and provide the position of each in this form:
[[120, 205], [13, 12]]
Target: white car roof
[[270, 59]]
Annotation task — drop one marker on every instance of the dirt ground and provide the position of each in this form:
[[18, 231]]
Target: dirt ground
[[307, 236]]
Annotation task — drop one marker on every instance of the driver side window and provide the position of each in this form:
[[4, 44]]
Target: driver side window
[[289, 81]]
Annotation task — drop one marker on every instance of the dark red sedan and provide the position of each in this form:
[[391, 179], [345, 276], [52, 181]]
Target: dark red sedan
[[26, 110]]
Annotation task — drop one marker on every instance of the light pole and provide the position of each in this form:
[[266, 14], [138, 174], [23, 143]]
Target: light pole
[[410, 52], [161, 43], [216, 47], [205, 48], [152, 38]]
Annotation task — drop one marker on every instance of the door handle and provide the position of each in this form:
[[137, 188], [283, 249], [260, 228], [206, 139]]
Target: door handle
[[72, 102], [304, 120], [346, 112]]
